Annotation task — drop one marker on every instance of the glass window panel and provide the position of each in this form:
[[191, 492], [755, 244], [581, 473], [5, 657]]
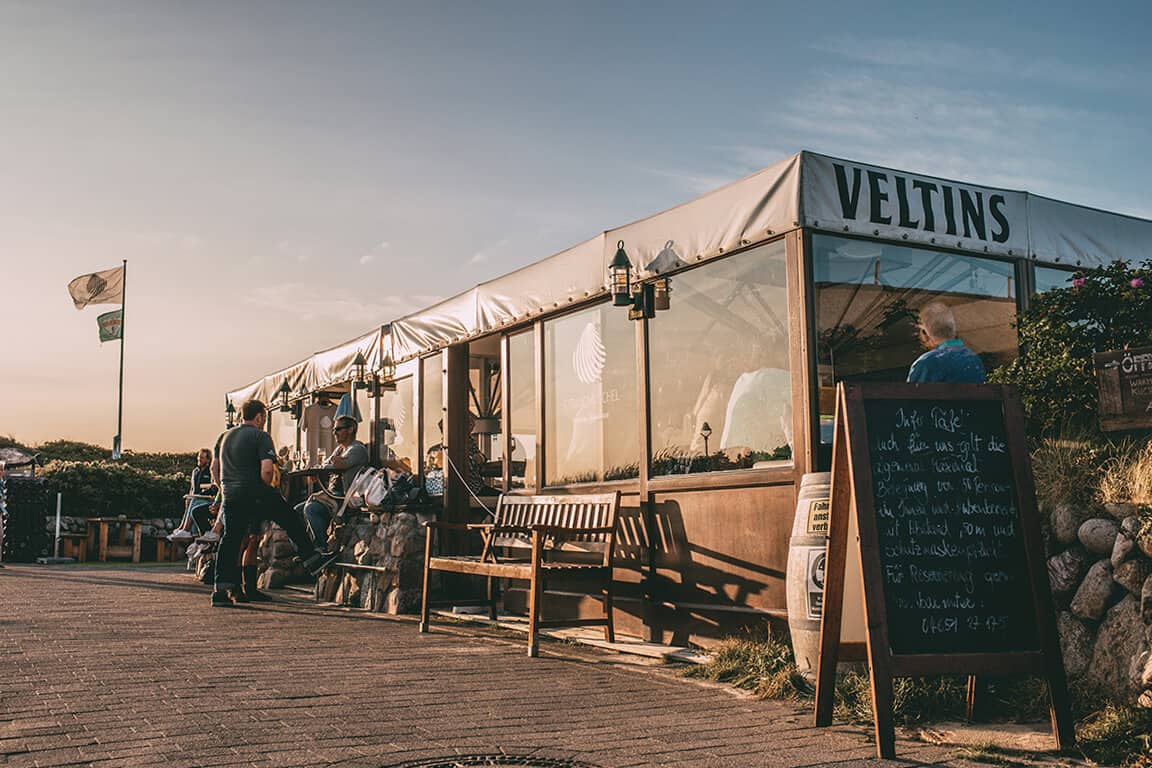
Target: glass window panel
[[721, 388], [432, 374], [486, 459], [1048, 278], [590, 397], [868, 295], [522, 417], [396, 434]]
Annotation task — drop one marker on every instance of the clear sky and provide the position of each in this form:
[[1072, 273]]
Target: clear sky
[[283, 176]]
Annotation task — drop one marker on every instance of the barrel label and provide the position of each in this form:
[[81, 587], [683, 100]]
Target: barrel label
[[818, 516], [815, 588]]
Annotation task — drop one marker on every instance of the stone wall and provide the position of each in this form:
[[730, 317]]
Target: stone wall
[[1100, 571], [392, 545]]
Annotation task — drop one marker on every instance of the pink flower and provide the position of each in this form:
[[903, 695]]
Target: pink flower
[[1078, 282], [1137, 282]]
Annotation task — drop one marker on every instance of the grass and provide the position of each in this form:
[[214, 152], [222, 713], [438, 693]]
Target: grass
[[762, 662], [1127, 475]]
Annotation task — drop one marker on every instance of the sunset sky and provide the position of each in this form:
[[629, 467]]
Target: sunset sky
[[283, 176]]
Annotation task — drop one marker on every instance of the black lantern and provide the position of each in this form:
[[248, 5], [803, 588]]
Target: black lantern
[[706, 432], [359, 366], [621, 274], [283, 394], [229, 413], [662, 288]]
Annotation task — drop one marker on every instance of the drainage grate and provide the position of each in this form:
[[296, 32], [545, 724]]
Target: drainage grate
[[492, 761]]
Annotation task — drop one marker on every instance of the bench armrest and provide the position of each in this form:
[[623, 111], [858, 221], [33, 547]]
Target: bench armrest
[[446, 526]]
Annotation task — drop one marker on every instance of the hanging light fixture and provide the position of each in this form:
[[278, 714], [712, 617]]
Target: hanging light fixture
[[284, 393], [359, 366], [662, 287], [621, 276], [229, 413]]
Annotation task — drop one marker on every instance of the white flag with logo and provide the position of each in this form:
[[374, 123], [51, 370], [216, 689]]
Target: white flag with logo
[[105, 287]]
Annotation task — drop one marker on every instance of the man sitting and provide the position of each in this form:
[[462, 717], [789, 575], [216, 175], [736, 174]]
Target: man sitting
[[198, 500], [349, 455]]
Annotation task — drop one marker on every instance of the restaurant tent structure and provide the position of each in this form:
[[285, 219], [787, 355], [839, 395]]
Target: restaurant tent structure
[[706, 414]]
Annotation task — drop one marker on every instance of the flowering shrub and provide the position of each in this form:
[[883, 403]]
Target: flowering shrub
[[1107, 308]]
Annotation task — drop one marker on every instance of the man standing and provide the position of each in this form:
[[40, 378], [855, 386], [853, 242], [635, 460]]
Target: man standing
[[947, 359], [349, 455], [247, 457]]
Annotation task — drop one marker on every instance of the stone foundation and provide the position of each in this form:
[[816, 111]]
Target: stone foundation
[[1100, 572], [392, 544]]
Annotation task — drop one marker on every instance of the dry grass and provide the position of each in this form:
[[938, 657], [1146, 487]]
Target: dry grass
[[1127, 475], [1068, 468]]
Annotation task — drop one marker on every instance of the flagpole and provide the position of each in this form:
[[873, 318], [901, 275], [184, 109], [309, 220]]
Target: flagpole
[[118, 449]]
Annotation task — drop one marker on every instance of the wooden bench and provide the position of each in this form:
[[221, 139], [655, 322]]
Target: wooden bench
[[535, 538]]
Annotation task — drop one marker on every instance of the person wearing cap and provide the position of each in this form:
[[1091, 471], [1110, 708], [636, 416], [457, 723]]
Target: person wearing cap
[[349, 456], [947, 359]]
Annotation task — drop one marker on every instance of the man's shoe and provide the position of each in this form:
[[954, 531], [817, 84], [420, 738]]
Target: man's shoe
[[193, 550], [318, 561], [222, 600], [181, 535], [256, 596], [209, 538], [238, 596]]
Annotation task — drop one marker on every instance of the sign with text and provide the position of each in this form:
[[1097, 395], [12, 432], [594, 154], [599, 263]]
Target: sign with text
[[937, 480], [1124, 379]]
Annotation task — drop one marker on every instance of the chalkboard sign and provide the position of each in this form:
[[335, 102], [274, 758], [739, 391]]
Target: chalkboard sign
[[948, 527], [936, 480]]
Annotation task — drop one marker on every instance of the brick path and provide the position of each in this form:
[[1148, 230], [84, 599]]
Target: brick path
[[113, 666]]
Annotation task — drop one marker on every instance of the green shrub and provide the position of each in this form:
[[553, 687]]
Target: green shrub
[[99, 488], [1107, 308]]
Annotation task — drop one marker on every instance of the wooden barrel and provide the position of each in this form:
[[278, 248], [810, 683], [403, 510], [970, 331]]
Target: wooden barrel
[[805, 577]]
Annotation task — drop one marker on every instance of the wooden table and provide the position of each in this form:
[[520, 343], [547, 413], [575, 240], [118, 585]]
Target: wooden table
[[300, 481], [101, 529]]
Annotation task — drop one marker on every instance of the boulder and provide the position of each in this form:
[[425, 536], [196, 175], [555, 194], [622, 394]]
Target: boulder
[[1123, 548], [1066, 521], [273, 578], [1066, 569], [1095, 592], [1115, 666], [1098, 535], [1075, 643], [1145, 700], [1121, 510], [1146, 601], [1132, 575], [1144, 541]]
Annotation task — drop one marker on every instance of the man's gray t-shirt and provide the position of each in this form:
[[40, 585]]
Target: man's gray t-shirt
[[241, 451], [355, 456]]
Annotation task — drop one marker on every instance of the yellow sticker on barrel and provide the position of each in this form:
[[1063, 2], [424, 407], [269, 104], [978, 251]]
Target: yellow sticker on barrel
[[818, 516]]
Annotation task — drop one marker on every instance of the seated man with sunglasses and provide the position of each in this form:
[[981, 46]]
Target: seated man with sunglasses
[[349, 456]]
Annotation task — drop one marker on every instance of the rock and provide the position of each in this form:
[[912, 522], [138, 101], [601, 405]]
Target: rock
[[1098, 535], [1115, 666], [1121, 510], [1066, 569], [1145, 700], [1132, 575], [1146, 601], [1144, 541], [1066, 520], [1123, 548], [1075, 643], [1095, 592], [271, 579]]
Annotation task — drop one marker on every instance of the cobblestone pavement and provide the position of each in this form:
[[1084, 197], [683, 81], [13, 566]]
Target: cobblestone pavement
[[116, 666]]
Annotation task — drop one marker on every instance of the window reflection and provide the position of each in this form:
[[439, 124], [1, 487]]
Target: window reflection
[[720, 383], [396, 432], [868, 295], [486, 445], [1048, 278], [522, 416], [590, 397], [432, 377]]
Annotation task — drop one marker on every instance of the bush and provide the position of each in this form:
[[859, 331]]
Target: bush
[[1107, 308], [100, 488]]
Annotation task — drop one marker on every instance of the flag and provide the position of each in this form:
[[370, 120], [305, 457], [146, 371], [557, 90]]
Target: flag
[[111, 325], [105, 287]]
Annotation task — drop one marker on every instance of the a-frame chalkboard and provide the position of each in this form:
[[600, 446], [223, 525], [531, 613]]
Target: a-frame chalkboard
[[938, 480]]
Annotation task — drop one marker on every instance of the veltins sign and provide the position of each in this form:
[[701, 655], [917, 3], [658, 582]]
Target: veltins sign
[[843, 196]]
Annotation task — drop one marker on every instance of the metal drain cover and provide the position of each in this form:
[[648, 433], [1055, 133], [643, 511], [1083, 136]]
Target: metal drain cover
[[492, 761]]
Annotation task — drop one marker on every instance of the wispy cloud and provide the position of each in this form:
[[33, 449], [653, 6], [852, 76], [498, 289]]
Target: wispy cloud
[[300, 300], [486, 252], [368, 258]]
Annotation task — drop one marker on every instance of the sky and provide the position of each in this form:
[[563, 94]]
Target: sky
[[283, 176]]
